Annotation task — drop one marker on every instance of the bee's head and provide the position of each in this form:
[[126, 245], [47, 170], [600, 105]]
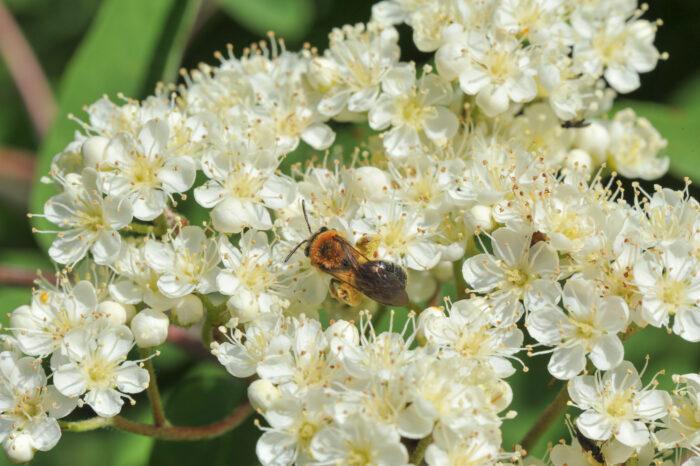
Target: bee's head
[[307, 250]]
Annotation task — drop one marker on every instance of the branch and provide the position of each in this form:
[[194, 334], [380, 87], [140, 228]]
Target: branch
[[23, 277], [208, 431], [553, 412], [17, 164], [26, 73]]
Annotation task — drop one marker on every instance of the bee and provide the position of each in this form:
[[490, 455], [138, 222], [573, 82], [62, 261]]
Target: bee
[[353, 272], [582, 123], [590, 446]]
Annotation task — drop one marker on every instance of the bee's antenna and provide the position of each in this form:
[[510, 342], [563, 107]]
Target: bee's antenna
[[303, 208], [295, 249]]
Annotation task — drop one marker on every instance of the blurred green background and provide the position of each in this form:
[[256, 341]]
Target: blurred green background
[[87, 48]]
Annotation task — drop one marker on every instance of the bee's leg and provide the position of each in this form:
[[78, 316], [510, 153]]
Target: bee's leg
[[344, 292], [368, 245]]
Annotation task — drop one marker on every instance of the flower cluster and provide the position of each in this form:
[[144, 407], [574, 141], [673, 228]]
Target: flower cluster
[[88, 343], [480, 171]]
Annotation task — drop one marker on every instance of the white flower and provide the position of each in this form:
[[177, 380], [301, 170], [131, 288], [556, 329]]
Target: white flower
[[28, 407], [243, 351], [613, 45], [670, 216], [458, 394], [96, 364], [617, 404], [294, 421], [359, 440], [187, 263], [379, 357], [241, 189], [589, 327], [41, 326], [353, 67], [517, 270], [92, 220], [634, 145], [468, 331], [413, 109], [491, 65], [251, 277], [136, 280], [145, 171], [450, 449], [681, 428], [405, 238], [669, 284], [570, 219], [302, 363], [150, 328]]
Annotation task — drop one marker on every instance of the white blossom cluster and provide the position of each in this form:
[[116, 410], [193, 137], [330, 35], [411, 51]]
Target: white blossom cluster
[[84, 335], [471, 175]]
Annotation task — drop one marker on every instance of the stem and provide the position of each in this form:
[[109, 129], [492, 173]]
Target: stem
[[212, 317], [208, 431], [553, 412], [419, 452], [141, 228], [153, 392], [159, 229], [165, 432], [86, 425], [161, 225]]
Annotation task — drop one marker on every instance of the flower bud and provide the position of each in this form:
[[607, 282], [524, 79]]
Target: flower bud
[[479, 217], [595, 140], [188, 310], [150, 328], [345, 331], [114, 312], [263, 394], [443, 271], [93, 151], [18, 449]]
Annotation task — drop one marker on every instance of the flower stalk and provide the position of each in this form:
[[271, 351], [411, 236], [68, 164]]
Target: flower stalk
[[164, 432], [153, 392], [419, 452]]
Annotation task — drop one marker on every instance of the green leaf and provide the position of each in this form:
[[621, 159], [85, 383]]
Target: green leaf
[[122, 52], [207, 394], [173, 41], [31, 259], [679, 127], [290, 19], [688, 98]]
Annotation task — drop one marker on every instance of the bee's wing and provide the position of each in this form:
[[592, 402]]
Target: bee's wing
[[384, 285], [384, 282]]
